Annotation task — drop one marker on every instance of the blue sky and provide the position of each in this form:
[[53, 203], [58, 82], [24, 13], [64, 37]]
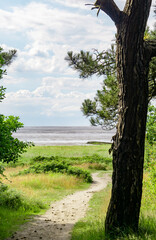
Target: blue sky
[[41, 88]]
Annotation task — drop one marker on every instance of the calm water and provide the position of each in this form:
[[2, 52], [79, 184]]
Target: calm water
[[63, 135]]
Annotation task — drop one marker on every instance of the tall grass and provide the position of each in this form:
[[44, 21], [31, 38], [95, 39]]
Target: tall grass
[[43, 187], [31, 194]]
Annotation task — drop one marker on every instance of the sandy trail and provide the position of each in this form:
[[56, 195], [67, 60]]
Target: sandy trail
[[58, 221]]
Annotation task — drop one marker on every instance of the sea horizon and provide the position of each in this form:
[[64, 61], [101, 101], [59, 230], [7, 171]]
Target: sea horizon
[[63, 135]]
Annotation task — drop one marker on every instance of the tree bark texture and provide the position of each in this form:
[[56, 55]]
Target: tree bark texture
[[128, 145]]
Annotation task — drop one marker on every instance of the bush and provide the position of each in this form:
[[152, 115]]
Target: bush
[[98, 166], [80, 173], [56, 164], [12, 199]]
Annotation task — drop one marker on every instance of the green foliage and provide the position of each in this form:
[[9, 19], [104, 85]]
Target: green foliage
[[150, 186], [41, 164], [5, 59], [14, 209], [152, 78], [87, 64], [103, 163], [12, 199], [2, 92], [150, 154], [2, 89], [10, 148], [1, 172], [151, 125], [79, 172], [56, 164], [150, 144], [103, 109]]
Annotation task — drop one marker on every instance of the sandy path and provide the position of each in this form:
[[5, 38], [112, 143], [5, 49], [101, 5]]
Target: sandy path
[[58, 221]]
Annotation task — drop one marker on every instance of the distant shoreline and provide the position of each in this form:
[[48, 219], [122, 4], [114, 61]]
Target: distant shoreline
[[64, 136]]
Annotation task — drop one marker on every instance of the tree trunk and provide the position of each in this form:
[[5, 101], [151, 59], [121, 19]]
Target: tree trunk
[[128, 146]]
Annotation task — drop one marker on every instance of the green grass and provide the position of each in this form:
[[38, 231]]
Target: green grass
[[92, 227], [11, 219], [65, 151], [32, 194], [86, 157], [43, 188], [56, 164]]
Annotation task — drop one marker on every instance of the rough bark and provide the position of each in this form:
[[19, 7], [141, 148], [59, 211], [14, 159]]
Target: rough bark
[[110, 8], [133, 57]]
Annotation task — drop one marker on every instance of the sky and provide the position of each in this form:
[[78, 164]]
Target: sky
[[41, 88]]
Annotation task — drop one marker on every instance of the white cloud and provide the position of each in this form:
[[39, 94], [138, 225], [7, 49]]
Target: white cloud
[[51, 33], [47, 31], [74, 3], [54, 95], [13, 80]]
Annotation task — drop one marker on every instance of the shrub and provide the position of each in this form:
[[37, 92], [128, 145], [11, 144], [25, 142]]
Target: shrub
[[12, 199], [56, 164], [80, 173]]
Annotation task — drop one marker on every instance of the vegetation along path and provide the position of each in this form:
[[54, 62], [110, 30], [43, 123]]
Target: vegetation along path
[[58, 221]]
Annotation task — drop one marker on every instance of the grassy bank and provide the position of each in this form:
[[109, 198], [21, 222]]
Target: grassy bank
[[28, 193]]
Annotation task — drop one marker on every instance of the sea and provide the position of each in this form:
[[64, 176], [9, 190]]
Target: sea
[[53, 136]]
